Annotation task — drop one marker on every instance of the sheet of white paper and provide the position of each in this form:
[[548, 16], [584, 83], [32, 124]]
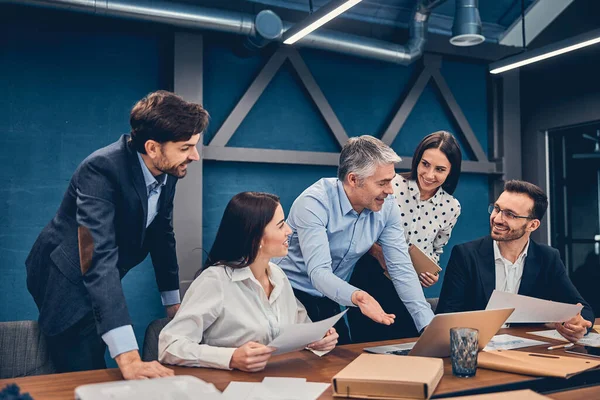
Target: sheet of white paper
[[292, 388], [591, 339], [550, 334], [532, 310], [296, 336], [238, 390], [275, 389], [509, 342]]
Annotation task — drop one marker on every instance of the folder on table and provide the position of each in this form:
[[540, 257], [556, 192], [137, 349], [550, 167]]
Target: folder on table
[[534, 364], [512, 395], [388, 376]]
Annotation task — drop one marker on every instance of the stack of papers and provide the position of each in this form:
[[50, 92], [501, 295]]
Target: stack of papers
[[510, 342], [532, 310], [591, 339], [275, 389]]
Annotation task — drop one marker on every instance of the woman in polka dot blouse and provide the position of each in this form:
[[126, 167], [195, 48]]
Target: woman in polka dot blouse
[[424, 195], [429, 213]]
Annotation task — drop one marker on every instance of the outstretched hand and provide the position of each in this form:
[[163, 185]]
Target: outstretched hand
[[371, 308]]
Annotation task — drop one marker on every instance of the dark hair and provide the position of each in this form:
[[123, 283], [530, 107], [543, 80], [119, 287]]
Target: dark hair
[[535, 193], [165, 117], [447, 144], [242, 227]]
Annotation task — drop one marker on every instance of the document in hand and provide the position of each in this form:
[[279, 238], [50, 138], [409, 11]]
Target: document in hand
[[378, 376], [521, 362], [421, 262], [532, 310], [296, 336]]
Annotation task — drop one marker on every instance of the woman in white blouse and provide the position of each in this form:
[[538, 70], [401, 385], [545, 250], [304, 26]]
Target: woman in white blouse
[[429, 212], [237, 305]]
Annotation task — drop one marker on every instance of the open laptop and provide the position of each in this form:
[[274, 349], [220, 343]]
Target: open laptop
[[435, 340]]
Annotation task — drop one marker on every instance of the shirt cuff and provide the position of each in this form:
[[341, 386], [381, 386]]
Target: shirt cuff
[[344, 295], [170, 297], [422, 318], [218, 357], [120, 340]]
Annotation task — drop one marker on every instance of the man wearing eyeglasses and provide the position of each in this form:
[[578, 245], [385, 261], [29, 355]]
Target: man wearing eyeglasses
[[508, 260]]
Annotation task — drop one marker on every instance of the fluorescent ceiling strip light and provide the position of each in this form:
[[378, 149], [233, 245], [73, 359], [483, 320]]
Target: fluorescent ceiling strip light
[[495, 69], [321, 20]]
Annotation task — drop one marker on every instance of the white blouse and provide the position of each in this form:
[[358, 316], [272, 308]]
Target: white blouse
[[223, 309], [427, 223]]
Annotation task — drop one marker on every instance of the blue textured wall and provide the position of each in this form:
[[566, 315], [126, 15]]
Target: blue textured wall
[[68, 86]]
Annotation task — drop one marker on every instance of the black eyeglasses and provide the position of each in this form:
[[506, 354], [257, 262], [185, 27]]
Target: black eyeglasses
[[507, 214]]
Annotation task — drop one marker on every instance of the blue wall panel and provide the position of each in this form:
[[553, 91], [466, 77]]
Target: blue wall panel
[[67, 91]]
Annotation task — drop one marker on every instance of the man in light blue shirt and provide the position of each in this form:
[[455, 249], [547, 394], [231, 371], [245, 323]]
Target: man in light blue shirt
[[335, 222]]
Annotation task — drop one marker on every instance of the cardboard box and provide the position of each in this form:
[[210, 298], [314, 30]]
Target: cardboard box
[[372, 376]]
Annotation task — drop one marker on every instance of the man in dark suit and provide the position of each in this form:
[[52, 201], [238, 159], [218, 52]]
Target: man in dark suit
[[117, 209], [508, 260]]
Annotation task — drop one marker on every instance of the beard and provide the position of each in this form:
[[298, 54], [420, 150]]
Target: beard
[[506, 236], [174, 170]]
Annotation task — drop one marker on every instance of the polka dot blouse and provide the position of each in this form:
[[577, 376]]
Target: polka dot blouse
[[427, 223]]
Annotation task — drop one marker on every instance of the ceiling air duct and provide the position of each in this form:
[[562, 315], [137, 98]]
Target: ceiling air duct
[[260, 30]]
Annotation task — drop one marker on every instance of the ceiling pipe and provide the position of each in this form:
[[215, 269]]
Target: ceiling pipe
[[196, 17]]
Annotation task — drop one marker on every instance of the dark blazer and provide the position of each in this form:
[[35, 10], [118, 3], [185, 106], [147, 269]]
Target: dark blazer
[[471, 277], [98, 234]]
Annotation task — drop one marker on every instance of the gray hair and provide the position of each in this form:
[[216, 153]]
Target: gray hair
[[362, 155]]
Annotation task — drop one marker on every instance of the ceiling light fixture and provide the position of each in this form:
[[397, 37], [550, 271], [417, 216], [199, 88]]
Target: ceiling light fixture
[[545, 52], [317, 19], [466, 30]]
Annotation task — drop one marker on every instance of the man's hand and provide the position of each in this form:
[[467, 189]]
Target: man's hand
[[251, 357], [172, 310], [377, 252], [371, 308], [574, 329], [327, 343], [427, 279], [132, 367]]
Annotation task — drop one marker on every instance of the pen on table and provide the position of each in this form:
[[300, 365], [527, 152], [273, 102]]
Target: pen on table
[[561, 346]]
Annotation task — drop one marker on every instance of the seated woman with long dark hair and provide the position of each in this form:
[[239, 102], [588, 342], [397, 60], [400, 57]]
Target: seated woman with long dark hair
[[237, 305]]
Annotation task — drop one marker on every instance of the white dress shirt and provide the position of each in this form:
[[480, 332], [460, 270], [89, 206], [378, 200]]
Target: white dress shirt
[[223, 309], [427, 223], [508, 275]]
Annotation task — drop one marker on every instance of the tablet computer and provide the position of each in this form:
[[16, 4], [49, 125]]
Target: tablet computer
[[585, 351]]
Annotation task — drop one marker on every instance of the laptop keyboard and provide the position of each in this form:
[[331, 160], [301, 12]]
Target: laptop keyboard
[[403, 352]]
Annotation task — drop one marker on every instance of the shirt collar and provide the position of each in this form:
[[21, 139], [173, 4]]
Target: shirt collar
[[344, 200], [276, 276], [498, 255], [240, 274], [149, 179], [437, 199]]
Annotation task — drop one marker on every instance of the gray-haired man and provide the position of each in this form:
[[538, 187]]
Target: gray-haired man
[[335, 222]]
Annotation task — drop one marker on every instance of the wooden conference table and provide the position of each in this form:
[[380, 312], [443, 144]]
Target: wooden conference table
[[304, 364]]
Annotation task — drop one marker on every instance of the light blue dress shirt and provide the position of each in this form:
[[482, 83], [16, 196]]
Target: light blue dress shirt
[[122, 339], [329, 237]]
